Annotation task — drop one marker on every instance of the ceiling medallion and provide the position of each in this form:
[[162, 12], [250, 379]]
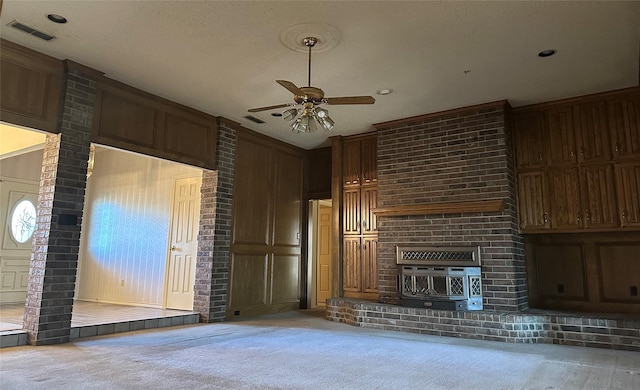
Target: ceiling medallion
[[327, 37]]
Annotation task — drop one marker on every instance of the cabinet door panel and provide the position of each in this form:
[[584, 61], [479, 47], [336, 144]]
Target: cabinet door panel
[[628, 180], [351, 207], [370, 264], [351, 162], [564, 197], [532, 201], [351, 265], [561, 271], [369, 202], [624, 122], [288, 199], [369, 158], [598, 197], [619, 264], [529, 139], [561, 137], [592, 124], [252, 195]]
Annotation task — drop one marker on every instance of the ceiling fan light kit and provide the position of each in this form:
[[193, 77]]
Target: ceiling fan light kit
[[303, 115]]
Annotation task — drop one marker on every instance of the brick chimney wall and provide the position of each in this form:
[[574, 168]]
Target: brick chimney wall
[[454, 156]]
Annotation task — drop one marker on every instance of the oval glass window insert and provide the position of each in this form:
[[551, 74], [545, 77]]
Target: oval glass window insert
[[23, 221]]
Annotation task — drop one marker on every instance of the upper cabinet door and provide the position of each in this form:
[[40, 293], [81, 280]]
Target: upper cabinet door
[[624, 123], [533, 208], [561, 138], [351, 162], [369, 201], [529, 139], [598, 196], [591, 120], [564, 196], [369, 158]]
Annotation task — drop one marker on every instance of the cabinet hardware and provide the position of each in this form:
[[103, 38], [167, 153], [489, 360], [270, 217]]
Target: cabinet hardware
[[578, 217], [587, 215], [540, 156], [573, 153], [617, 147], [545, 217]]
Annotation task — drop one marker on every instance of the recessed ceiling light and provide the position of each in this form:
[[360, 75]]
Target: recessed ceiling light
[[384, 91], [546, 53], [57, 18]]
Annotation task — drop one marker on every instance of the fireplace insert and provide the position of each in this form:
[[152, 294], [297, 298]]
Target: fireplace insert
[[440, 277]]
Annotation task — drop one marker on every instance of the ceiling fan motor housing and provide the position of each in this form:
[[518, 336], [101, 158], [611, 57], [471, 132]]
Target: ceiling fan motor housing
[[311, 94]]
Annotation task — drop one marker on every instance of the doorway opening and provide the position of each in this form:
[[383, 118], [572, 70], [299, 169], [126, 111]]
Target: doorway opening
[[320, 265]]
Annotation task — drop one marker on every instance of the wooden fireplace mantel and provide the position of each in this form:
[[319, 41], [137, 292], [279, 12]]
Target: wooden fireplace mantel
[[476, 206]]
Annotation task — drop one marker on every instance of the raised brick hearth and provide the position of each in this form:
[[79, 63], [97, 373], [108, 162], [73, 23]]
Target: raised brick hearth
[[588, 330]]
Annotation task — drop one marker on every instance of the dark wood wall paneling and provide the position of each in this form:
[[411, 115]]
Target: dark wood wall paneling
[[134, 120], [578, 178], [267, 246], [31, 87]]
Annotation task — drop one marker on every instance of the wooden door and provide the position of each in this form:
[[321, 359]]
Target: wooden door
[[529, 140], [18, 200], [598, 197], [564, 198], [324, 273], [592, 124], [532, 201], [369, 160], [369, 201], [181, 269], [370, 264], [351, 162], [351, 208], [351, 267], [624, 123], [287, 200], [628, 186], [561, 138]]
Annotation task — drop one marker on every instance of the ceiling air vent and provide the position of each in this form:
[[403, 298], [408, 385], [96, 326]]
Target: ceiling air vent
[[29, 30], [254, 119]]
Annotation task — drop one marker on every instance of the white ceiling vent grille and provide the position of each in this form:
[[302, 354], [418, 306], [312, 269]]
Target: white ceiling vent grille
[[30, 30]]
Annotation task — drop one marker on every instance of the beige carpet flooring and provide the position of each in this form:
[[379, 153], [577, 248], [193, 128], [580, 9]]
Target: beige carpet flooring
[[299, 350]]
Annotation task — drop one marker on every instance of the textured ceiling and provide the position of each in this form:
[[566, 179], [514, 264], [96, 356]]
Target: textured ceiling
[[223, 57]]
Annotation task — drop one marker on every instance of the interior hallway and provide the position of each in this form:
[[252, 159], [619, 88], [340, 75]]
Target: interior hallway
[[300, 350]]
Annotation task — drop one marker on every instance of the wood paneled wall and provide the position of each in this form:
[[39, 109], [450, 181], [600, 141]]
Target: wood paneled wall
[[319, 173], [266, 251], [125, 231], [31, 87]]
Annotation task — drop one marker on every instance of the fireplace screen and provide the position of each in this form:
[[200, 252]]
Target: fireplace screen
[[424, 283]]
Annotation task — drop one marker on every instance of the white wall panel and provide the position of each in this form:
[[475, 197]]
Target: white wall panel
[[125, 235]]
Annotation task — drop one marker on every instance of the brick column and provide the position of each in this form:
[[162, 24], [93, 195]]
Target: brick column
[[214, 237], [54, 259]]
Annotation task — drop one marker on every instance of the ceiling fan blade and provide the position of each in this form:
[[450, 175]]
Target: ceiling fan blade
[[291, 87], [269, 107], [351, 100]]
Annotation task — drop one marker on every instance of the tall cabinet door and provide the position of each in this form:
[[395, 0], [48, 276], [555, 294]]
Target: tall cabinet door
[[592, 122], [287, 200], [369, 201], [351, 163], [628, 179], [369, 160], [529, 140], [351, 267], [624, 120], [351, 211], [598, 198], [532, 201], [564, 197], [370, 264], [560, 129]]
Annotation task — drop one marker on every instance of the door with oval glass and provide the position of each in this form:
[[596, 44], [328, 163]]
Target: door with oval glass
[[18, 200], [183, 243]]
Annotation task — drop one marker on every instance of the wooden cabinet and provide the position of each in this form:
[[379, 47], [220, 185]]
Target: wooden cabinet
[[359, 223], [575, 164]]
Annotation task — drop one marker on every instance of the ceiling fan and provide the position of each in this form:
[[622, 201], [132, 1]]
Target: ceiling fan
[[303, 115]]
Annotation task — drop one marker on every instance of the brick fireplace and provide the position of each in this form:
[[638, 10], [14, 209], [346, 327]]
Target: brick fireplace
[[452, 174]]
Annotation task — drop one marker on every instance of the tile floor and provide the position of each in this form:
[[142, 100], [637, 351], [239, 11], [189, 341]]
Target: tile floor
[[89, 313]]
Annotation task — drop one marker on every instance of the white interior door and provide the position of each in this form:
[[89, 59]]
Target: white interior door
[[18, 200], [183, 243]]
